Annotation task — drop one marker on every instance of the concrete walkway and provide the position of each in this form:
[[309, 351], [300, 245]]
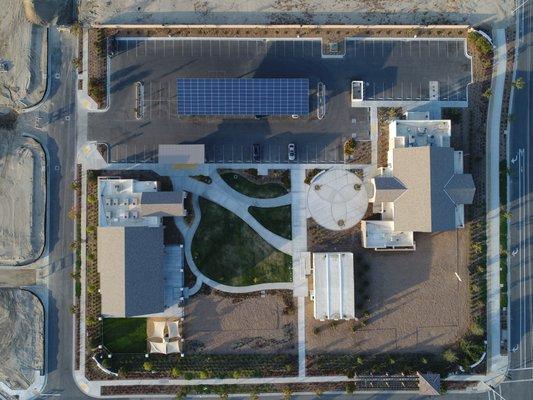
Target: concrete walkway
[[494, 360]]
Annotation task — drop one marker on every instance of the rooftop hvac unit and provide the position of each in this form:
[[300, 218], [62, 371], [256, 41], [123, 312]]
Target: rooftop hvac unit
[[108, 215], [125, 202], [134, 215], [117, 187], [107, 201]]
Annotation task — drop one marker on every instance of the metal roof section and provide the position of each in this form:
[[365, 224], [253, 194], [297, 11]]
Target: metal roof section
[[333, 286]]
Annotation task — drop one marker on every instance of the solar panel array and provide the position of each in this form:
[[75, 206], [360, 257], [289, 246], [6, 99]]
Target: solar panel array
[[234, 96]]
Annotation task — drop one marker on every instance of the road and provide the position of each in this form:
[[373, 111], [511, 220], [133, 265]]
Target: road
[[520, 195], [58, 135]]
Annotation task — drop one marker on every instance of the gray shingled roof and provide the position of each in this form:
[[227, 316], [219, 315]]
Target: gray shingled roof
[[130, 263], [388, 189], [461, 189], [426, 205], [162, 204]]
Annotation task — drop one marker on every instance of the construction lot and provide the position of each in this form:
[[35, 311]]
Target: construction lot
[[395, 69], [229, 324], [22, 214], [416, 302]]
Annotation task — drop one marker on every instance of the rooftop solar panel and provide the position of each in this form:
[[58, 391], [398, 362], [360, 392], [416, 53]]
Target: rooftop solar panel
[[234, 96]]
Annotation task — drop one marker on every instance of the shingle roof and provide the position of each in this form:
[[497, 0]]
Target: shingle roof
[[426, 205], [162, 204], [388, 189], [461, 189], [130, 263]]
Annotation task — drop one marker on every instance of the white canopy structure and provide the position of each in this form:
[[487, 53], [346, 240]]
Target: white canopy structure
[[158, 347], [173, 329], [159, 329], [173, 347]]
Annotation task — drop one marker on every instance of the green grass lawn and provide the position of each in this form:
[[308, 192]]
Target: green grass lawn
[[125, 335], [251, 189], [228, 251], [275, 219]]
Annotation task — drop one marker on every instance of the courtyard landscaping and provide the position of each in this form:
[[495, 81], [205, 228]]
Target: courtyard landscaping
[[125, 335], [228, 251], [249, 183], [275, 219]]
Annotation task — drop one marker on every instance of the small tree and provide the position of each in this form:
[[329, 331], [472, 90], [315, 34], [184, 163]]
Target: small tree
[[91, 289], [287, 393], [350, 387], [349, 147], [91, 229], [519, 83], [75, 185], [90, 321], [91, 199], [487, 93], [73, 213], [106, 363], [476, 247], [175, 372], [148, 366], [449, 356]]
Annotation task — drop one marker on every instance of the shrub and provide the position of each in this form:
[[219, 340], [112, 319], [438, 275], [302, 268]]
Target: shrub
[[106, 363], [482, 44], [175, 372], [350, 387], [148, 366], [91, 321], [449, 356], [349, 147], [91, 229], [519, 83], [287, 392], [91, 199], [476, 329]]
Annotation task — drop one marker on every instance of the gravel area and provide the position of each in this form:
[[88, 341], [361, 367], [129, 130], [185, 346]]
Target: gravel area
[[416, 302], [238, 324]]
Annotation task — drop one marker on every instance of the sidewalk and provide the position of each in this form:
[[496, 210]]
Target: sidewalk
[[493, 203]]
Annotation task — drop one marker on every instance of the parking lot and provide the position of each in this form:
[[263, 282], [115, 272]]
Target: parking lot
[[391, 70]]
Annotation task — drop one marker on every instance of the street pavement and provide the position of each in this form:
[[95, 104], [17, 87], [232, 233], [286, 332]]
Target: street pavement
[[520, 194]]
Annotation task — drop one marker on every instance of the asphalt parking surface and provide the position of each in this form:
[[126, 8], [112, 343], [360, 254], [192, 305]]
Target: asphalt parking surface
[[391, 70]]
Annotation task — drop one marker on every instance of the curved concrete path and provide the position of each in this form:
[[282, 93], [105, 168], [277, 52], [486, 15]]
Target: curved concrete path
[[251, 201], [188, 235], [224, 196]]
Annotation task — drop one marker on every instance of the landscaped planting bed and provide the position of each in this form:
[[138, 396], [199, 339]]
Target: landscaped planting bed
[[275, 219], [227, 250], [197, 366], [125, 335], [247, 182]]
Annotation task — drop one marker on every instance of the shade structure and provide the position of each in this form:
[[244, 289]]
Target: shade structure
[[159, 329], [156, 347], [173, 329], [243, 96], [173, 347]]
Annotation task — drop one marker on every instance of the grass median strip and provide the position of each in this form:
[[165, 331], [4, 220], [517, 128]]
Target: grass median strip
[[275, 219], [228, 251]]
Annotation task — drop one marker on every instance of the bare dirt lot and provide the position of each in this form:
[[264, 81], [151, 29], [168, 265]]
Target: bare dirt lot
[[240, 324], [22, 341], [23, 52], [416, 303], [473, 12], [23, 199]]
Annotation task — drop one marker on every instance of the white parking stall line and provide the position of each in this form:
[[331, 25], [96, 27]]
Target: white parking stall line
[[419, 49]]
